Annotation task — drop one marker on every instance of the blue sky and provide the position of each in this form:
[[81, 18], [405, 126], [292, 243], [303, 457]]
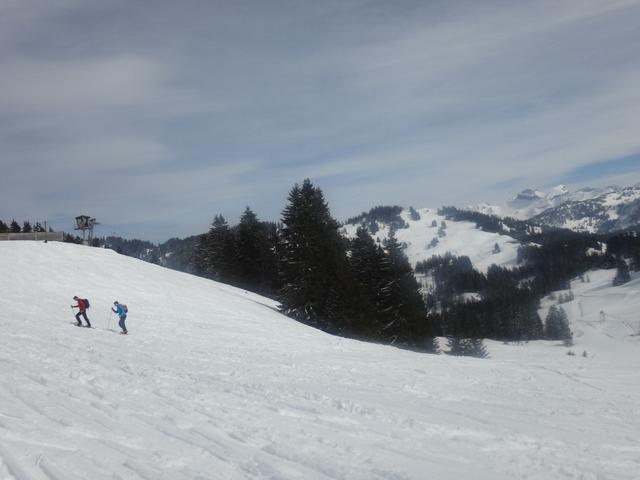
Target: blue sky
[[156, 116]]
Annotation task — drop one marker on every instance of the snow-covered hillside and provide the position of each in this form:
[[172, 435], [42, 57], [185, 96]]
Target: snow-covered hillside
[[212, 383], [604, 317], [459, 238]]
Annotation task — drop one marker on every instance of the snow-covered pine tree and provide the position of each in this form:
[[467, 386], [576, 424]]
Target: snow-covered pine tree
[[14, 227], [455, 346], [466, 347], [476, 348]]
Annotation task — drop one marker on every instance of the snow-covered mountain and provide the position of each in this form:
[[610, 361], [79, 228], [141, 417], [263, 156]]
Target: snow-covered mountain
[[424, 236], [586, 210], [211, 382], [614, 210], [531, 202]]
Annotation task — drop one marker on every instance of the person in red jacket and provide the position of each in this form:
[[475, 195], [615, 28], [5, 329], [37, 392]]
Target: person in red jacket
[[82, 310]]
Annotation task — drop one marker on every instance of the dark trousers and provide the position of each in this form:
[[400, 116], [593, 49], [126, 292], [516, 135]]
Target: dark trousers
[[121, 323], [84, 314]]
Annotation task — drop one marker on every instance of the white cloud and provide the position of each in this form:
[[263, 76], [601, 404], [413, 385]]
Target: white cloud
[[218, 106]]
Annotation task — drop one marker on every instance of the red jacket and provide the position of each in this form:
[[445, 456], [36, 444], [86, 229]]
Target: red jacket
[[81, 305]]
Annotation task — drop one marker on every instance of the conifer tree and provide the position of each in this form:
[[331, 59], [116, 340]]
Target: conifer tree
[[372, 270], [455, 346], [153, 258], [635, 259], [26, 227], [535, 329], [248, 248], [557, 325], [476, 348], [383, 281], [318, 286], [564, 331], [217, 251], [467, 347], [4, 228], [200, 255], [622, 274], [256, 254], [15, 227], [552, 323], [408, 314]]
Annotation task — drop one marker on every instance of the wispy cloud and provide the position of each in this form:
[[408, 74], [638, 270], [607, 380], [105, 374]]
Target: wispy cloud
[[168, 114]]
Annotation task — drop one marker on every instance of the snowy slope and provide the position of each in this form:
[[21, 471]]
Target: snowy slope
[[462, 238], [212, 383], [604, 317]]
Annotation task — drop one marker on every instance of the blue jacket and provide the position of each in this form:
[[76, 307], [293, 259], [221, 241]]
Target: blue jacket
[[120, 310]]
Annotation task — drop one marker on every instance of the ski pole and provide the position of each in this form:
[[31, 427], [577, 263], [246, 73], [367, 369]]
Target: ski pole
[[110, 316]]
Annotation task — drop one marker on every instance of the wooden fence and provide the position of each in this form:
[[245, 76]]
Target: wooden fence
[[40, 236]]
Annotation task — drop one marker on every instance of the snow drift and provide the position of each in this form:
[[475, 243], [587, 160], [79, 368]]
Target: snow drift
[[213, 383]]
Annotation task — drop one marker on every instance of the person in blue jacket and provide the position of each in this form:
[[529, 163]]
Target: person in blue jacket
[[121, 310]]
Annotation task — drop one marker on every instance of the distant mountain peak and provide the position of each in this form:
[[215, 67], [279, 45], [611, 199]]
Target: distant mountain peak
[[529, 194], [558, 191], [614, 208], [585, 209]]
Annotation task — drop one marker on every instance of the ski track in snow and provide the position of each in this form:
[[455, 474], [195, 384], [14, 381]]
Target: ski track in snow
[[213, 383]]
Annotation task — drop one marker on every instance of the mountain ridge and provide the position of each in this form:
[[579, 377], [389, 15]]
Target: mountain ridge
[[589, 209]]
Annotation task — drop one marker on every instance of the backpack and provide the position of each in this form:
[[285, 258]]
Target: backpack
[[86, 303], [126, 309]]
